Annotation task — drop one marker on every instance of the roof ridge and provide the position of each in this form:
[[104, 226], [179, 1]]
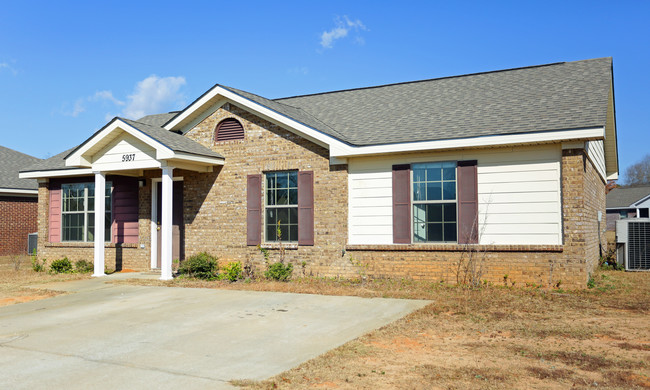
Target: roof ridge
[[24, 154], [436, 79]]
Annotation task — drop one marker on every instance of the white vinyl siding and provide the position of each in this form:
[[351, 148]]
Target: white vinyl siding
[[596, 153], [125, 152], [519, 195]]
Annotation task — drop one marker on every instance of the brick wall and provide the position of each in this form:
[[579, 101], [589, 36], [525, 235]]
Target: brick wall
[[17, 220], [215, 215]]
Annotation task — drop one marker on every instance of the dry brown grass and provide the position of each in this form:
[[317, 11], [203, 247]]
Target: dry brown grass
[[491, 337], [19, 283]]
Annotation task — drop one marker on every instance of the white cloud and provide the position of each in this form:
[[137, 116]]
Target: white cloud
[[343, 27], [6, 66], [154, 95], [105, 95], [78, 108]]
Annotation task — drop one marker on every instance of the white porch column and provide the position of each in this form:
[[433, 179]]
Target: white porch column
[[100, 216], [166, 223]]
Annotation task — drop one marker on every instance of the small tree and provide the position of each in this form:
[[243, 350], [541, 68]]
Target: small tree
[[638, 173]]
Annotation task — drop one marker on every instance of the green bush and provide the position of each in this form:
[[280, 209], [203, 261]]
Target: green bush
[[233, 272], [83, 266], [61, 266], [38, 266], [201, 266], [279, 272]]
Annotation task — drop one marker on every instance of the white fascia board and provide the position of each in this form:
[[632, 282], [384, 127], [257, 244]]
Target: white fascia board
[[302, 130], [55, 173], [15, 191], [613, 176], [473, 142], [198, 159], [76, 159], [635, 204]]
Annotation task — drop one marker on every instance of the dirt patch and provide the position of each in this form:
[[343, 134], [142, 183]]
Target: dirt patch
[[21, 284]]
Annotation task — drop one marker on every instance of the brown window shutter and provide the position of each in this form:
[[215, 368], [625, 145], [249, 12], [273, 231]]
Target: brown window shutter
[[228, 130], [306, 208], [55, 212], [402, 204], [254, 210], [467, 202]]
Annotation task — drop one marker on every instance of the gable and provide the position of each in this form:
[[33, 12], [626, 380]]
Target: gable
[[125, 149]]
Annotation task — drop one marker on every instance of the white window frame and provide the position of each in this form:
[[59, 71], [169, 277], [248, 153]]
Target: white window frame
[[425, 202], [276, 206], [85, 211]]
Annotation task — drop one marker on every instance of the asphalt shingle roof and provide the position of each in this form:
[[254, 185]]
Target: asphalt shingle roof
[[11, 162], [53, 163], [567, 95], [148, 125], [623, 197], [174, 141]]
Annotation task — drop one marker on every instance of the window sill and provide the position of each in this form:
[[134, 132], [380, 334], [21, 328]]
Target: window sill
[[457, 248], [290, 246], [87, 245]]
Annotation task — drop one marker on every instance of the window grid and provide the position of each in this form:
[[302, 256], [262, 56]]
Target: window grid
[[434, 197], [281, 206], [77, 212]]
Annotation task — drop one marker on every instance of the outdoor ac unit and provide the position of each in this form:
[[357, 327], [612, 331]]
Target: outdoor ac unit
[[633, 243]]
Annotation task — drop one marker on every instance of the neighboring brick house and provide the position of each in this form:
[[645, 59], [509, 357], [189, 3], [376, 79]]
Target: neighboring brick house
[[18, 202], [627, 202], [403, 180]]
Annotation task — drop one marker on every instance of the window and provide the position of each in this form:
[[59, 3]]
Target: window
[[281, 206], [434, 202], [77, 212], [228, 130], [622, 214]]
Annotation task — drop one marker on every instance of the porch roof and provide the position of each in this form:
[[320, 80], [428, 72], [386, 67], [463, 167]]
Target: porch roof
[[179, 149]]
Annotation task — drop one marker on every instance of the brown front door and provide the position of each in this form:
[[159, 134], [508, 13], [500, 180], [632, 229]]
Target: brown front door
[[178, 228]]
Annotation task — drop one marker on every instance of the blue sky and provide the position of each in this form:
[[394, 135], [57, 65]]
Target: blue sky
[[67, 67]]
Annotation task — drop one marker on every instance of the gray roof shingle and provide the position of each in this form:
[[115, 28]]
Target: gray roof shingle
[[624, 197], [567, 95], [53, 163], [148, 125], [174, 141], [11, 162]]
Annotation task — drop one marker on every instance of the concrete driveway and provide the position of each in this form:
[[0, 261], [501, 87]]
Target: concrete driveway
[[106, 336]]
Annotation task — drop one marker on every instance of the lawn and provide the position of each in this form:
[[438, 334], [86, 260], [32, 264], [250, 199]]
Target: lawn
[[489, 337], [19, 283]]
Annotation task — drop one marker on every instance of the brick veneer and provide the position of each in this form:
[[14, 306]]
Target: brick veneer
[[215, 217], [17, 220]]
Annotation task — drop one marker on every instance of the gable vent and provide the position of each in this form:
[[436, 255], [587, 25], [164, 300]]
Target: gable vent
[[228, 130]]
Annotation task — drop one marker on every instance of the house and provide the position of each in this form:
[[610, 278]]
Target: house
[[627, 202], [405, 179], [18, 202]]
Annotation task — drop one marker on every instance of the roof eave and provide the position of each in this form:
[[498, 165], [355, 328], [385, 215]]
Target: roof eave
[[552, 136]]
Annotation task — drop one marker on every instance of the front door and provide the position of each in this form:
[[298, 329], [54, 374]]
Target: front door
[[178, 228]]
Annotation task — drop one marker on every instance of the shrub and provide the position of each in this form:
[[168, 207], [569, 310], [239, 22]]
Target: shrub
[[61, 266], [233, 272], [279, 271], [38, 266], [83, 266], [201, 266]]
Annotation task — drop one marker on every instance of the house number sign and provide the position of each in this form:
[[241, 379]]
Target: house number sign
[[128, 157]]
